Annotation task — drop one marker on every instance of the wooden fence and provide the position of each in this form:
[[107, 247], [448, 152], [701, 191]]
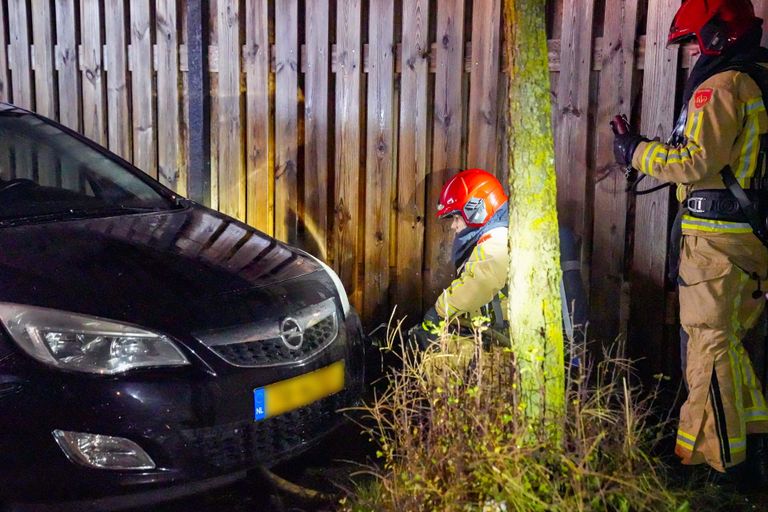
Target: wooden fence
[[332, 124]]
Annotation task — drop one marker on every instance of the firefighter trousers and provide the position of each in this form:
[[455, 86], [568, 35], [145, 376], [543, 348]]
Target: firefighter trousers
[[719, 275]]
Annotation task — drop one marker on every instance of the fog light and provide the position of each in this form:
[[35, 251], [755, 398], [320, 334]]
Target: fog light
[[102, 452]]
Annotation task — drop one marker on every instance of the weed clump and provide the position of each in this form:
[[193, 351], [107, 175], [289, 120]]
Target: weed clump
[[451, 436]]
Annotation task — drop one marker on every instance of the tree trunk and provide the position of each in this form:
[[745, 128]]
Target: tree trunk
[[535, 313]]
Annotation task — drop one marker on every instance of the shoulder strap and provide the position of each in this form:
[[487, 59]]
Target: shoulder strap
[[756, 221], [759, 74], [748, 207]]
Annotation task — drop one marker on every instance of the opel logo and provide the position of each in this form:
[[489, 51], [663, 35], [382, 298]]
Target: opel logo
[[291, 333]]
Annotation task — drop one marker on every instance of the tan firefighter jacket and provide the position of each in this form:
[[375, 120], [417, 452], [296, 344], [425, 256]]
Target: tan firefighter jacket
[[726, 115], [480, 279]]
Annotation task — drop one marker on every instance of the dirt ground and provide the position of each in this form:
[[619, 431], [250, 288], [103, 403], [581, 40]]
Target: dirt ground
[[326, 468]]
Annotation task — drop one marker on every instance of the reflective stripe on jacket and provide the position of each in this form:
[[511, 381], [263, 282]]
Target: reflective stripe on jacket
[[726, 117], [482, 276]]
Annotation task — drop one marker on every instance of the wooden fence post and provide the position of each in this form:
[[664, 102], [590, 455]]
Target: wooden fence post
[[66, 64], [286, 120], [4, 79], [316, 127], [572, 116], [413, 151], [91, 67], [446, 144], [42, 33], [609, 232], [484, 82], [229, 163], [347, 200], [198, 78], [19, 56], [116, 58], [144, 149], [259, 181], [170, 171], [380, 168], [648, 308]]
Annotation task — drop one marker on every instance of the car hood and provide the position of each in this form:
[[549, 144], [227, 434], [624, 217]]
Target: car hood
[[187, 267]]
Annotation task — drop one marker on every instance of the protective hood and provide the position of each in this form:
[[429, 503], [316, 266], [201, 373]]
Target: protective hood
[[466, 239]]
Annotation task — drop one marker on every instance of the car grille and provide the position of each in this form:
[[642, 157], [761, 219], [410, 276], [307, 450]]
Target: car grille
[[275, 341], [267, 442], [274, 351]]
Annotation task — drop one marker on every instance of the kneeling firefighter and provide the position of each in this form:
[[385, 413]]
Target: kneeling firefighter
[[717, 156], [478, 208]]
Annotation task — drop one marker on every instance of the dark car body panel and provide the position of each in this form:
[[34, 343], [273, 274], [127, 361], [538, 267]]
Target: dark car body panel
[[176, 272], [132, 267]]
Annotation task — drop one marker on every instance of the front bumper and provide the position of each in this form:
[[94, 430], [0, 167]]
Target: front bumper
[[197, 426]]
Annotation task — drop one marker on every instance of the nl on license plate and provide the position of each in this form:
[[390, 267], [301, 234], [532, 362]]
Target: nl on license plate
[[287, 395]]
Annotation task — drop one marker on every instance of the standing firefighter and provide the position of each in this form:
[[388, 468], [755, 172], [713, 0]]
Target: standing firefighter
[[716, 156]]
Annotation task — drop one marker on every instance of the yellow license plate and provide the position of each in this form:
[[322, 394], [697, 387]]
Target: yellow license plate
[[296, 392]]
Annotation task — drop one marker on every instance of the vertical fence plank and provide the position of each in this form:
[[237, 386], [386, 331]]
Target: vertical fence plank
[[45, 94], [215, 136], [484, 81], [316, 128], [412, 168], [761, 10], [347, 161], [19, 54], [21, 80], [42, 34], [286, 120], [118, 120], [66, 64], [380, 158], [5, 93], [69, 75], [572, 107], [231, 172], [144, 149], [648, 309], [259, 179], [90, 65], [170, 171], [183, 76], [609, 231], [446, 148]]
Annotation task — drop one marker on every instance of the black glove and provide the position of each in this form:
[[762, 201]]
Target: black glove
[[422, 333], [624, 146]]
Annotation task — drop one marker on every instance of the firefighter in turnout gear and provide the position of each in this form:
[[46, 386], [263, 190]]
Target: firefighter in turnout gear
[[478, 208], [475, 202], [716, 156], [477, 205]]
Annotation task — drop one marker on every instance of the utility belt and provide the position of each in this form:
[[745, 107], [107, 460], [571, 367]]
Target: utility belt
[[734, 203], [721, 205]]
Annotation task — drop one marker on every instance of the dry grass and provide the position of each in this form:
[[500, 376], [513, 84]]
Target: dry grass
[[450, 437]]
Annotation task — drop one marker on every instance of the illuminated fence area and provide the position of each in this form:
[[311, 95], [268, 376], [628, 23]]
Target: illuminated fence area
[[333, 125]]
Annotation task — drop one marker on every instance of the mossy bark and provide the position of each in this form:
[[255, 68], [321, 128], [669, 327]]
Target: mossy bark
[[535, 312]]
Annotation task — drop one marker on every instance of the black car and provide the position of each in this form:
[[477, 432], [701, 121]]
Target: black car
[[150, 347]]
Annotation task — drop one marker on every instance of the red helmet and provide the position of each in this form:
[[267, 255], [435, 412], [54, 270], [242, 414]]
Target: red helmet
[[716, 24], [474, 194]]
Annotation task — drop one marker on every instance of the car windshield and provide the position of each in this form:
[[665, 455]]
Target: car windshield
[[46, 173]]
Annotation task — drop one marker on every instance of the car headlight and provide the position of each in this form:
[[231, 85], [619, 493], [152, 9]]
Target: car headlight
[[86, 344], [337, 282]]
